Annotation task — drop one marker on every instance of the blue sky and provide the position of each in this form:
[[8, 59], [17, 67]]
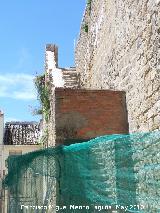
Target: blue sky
[[25, 28]]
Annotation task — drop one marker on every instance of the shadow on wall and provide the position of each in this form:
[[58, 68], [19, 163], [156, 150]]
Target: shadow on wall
[[67, 127]]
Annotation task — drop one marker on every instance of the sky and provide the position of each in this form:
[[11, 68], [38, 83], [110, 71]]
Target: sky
[[25, 28]]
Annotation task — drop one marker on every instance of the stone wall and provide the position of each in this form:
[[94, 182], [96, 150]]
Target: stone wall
[[1, 127], [56, 77], [1, 142], [85, 114], [119, 49]]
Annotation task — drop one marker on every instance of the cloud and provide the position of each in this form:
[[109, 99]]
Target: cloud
[[17, 86]]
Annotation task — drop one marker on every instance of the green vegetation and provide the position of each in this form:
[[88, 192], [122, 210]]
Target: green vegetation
[[85, 27], [43, 96], [89, 2]]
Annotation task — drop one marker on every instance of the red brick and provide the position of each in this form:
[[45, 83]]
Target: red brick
[[91, 113]]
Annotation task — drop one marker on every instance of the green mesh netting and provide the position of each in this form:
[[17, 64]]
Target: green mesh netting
[[113, 173]]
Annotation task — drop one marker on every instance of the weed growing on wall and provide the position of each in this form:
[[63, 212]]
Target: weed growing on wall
[[43, 96], [89, 2], [85, 28]]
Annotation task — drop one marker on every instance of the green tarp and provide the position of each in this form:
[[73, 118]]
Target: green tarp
[[112, 173]]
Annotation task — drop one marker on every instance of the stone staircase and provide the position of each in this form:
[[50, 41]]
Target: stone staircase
[[71, 78]]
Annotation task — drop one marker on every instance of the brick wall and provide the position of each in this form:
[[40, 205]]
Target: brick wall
[[84, 114], [120, 51]]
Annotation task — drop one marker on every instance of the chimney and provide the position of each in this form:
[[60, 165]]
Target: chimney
[[51, 61]]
